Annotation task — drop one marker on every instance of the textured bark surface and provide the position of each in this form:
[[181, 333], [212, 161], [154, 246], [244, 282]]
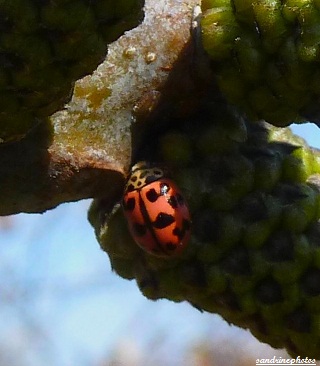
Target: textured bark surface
[[85, 149]]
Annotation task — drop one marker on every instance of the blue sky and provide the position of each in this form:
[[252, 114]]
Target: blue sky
[[62, 305]]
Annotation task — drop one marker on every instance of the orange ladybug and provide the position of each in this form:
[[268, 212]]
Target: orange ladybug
[[157, 213]]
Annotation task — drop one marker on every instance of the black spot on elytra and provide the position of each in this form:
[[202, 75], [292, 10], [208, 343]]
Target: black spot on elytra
[[139, 230], [130, 204], [178, 232], [173, 202], [152, 195], [163, 220]]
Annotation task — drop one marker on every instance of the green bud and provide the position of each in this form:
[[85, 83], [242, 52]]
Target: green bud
[[271, 24], [220, 29]]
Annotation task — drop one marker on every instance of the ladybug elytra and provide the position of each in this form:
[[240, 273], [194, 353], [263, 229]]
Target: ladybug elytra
[[157, 214]]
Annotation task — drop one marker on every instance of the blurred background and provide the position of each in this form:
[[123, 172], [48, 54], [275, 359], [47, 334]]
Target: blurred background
[[61, 305]]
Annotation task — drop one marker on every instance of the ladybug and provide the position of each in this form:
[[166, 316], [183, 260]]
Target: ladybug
[[157, 214]]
